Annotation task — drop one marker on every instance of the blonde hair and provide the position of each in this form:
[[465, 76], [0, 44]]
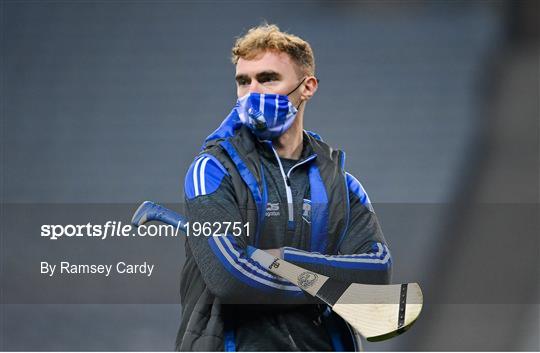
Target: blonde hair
[[269, 37]]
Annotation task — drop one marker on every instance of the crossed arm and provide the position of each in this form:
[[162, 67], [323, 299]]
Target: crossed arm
[[233, 276]]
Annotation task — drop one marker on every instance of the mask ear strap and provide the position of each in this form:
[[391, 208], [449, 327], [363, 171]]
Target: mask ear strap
[[300, 84], [298, 108]]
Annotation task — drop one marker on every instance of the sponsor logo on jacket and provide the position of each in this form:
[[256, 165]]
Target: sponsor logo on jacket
[[272, 209]]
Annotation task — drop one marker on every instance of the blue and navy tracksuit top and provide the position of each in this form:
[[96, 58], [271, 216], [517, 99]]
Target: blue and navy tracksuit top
[[314, 210]]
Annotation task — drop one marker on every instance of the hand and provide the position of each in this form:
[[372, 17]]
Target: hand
[[275, 252]]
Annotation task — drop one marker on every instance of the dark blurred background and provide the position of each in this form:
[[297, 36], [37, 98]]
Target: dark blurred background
[[435, 102]]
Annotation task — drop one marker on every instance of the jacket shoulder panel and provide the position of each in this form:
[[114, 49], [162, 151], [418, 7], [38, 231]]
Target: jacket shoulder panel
[[204, 176]]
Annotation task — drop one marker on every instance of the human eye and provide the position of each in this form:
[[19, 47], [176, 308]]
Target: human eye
[[268, 80], [241, 81]]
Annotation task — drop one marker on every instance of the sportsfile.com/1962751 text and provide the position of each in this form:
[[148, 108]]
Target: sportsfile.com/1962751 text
[[114, 229]]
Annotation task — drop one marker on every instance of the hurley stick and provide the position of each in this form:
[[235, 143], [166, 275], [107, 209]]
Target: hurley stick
[[377, 312]]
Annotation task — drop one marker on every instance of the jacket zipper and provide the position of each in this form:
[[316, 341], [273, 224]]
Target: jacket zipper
[[287, 182]]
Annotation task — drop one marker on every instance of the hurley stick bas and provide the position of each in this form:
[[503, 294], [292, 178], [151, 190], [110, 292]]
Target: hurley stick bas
[[377, 312]]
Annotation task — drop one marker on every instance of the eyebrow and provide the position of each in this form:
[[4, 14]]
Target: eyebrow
[[261, 75]]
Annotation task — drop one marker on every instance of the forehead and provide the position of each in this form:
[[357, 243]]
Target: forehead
[[266, 61]]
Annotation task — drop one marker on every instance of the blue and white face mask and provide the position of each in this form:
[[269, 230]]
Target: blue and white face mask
[[268, 116]]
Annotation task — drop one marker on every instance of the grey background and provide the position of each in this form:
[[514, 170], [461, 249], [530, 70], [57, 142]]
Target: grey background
[[435, 103]]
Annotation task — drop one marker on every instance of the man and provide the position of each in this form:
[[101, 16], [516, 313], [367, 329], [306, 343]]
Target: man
[[289, 194]]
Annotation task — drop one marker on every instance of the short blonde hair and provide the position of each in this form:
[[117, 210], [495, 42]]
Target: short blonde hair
[[269, 37]]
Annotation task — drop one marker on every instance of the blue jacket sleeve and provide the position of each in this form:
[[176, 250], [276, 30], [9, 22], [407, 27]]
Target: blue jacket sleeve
[[222, 259], [363, 255]]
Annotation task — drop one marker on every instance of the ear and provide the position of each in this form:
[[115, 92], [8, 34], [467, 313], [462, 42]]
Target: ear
[[310, 87]]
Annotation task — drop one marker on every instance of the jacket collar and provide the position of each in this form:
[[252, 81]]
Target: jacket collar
[[265, 148], [231, 125]]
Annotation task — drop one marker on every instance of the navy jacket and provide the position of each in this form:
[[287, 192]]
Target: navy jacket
[[319, 214]]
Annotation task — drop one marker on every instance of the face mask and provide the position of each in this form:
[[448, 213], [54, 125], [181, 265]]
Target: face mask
[[267, 115]]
